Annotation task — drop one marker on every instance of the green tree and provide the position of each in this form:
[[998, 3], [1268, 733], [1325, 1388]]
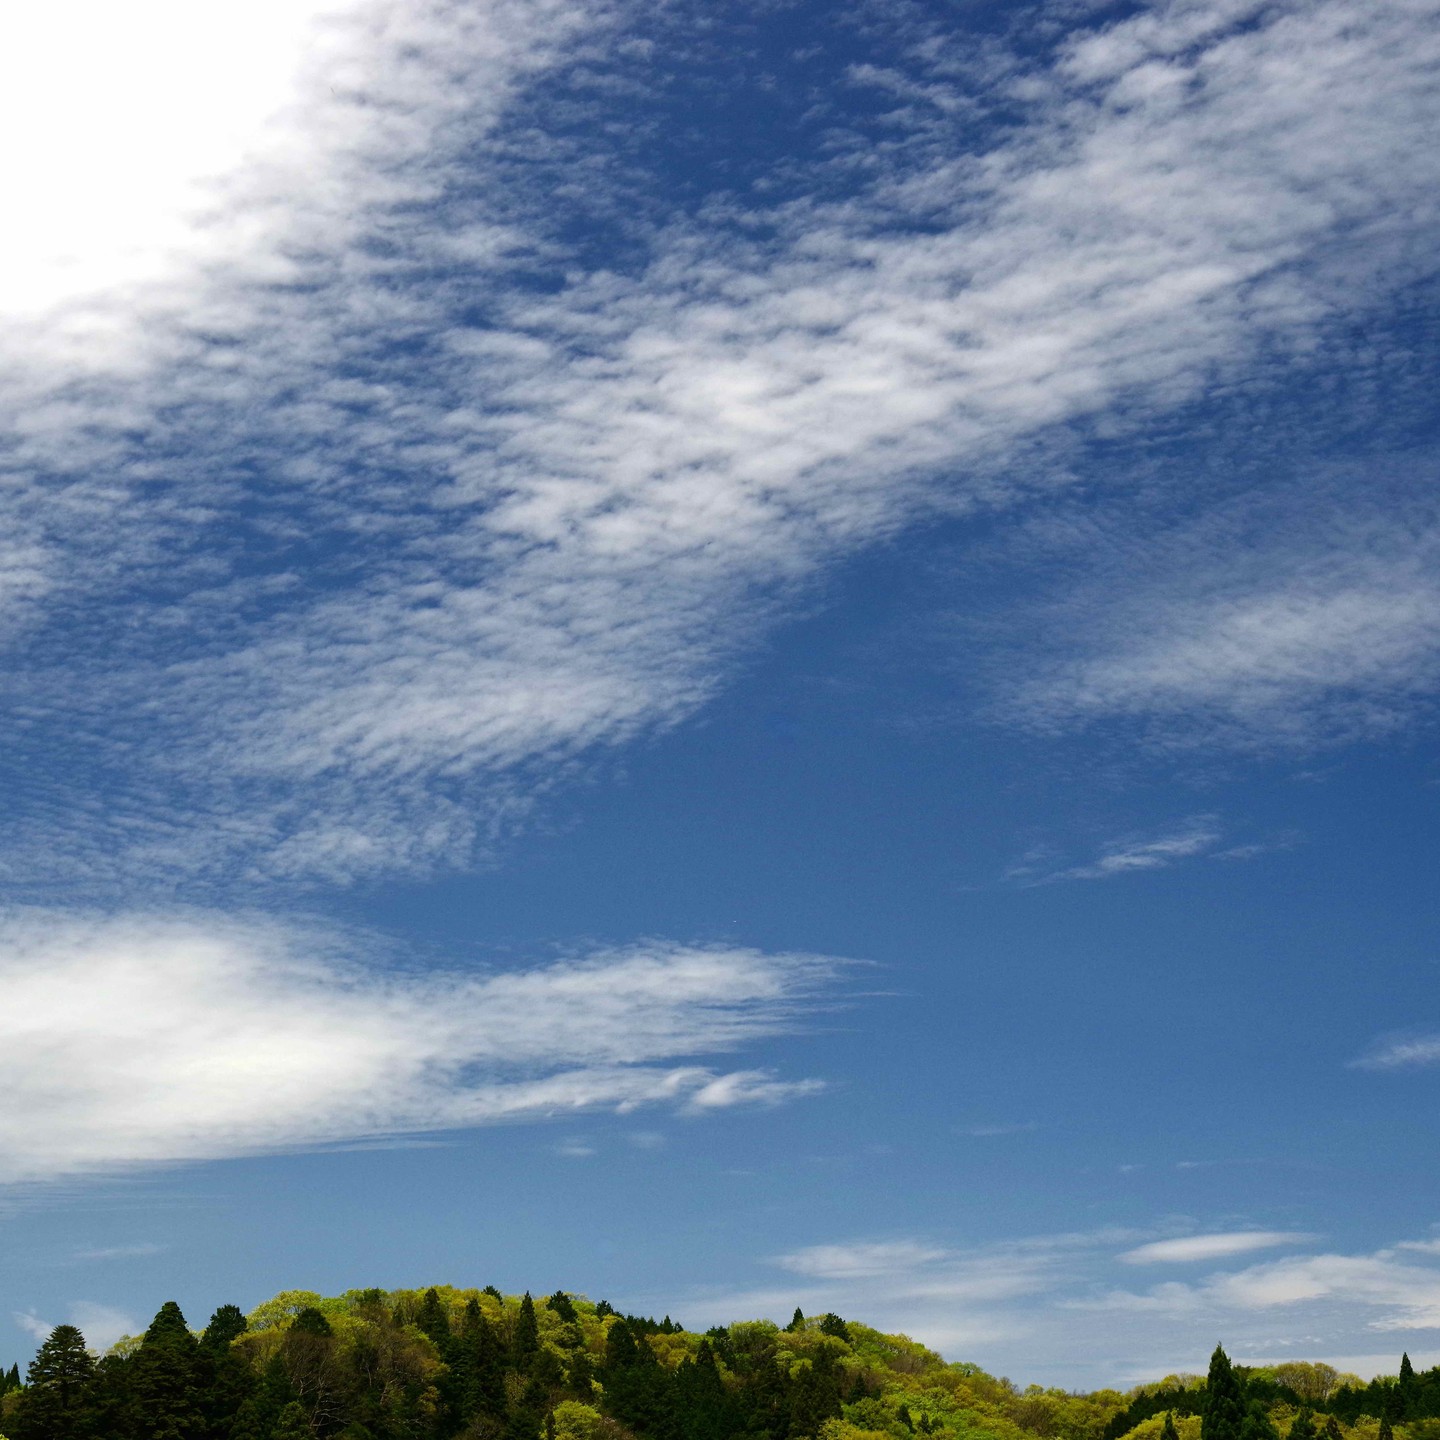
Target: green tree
[[1257, 1424], [1168, 1431], [1303, 1427], [434, 1319], [1224, 1414], [1405, 1389], [797, 1321], [525, 1338], [167, 1379], [53, 1403]]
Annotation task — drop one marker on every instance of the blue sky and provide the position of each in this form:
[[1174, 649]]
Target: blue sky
[[727, 656]]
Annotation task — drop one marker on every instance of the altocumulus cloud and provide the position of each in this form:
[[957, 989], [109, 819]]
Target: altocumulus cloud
[[488, 545], [153, 1038]]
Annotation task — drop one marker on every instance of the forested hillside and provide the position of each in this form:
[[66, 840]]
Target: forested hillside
[[442, 1363]]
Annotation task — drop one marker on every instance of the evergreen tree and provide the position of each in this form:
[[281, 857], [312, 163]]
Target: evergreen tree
[[1304, 1426], [52, 1406], [166, 1379], [561, 1304], [1168, 1430], [1405, 1390], [485, 1394], [1386, 1432], [434, 1320], [1332, 1430], [797, 1321], [1224, 1413], [225, 1374], [832, 1324], [525, 1339], [1256, 1424]]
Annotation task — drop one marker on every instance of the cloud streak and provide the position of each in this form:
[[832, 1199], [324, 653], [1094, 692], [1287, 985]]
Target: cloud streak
[[1189, 1249], [156, 1039]]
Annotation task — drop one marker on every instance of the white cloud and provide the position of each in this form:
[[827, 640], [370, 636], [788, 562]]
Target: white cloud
[[120, 1252], [1125, 857], [587, 503], [1046, 1308], [33, 1325], [102, 1325], [1187, 1249], [848, 1262], [1401, 1052], [135, 1039], [1304, 613]]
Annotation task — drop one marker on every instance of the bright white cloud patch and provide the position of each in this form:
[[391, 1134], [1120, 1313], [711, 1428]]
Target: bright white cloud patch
[[153, 1039], [102, 1325], [1188, 1249], [116, 116]]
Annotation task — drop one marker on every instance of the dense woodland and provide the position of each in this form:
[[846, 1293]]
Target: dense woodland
[[443, 1363]]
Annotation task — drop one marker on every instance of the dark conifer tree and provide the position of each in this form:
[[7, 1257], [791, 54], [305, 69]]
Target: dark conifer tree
[[1168, 1430], [832, 1324], [53, 1404], [1224, 1412], [701, 1401], [563, 1307], [580, 1377], [434, 1319], [1256, 1424], [166, 1379], [1332, 1430], [1386, 1431], [1405, 1390], [525, 1338], [797, 1321], [1303, 1427], [225, 1374], [485, 1388]]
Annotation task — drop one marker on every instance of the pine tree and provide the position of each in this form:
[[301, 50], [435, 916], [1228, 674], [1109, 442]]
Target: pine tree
[[434, 1319], [797, 1321], [1405, 1389], [525, 1340], [1386, 1432], [1303, 1427], [561, 1304], [1168, 1430], [225, 1370], [166, 1378], [1224, 1413], [1332, 1430], [52, 1405]]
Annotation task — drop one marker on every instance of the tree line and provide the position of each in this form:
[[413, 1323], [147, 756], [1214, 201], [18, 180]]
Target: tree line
[[450, 1364]]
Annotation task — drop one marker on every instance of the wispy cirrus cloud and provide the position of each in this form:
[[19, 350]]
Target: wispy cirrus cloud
[[430, 534], [1200, 836], [148, 1038], [1411, 1051]]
